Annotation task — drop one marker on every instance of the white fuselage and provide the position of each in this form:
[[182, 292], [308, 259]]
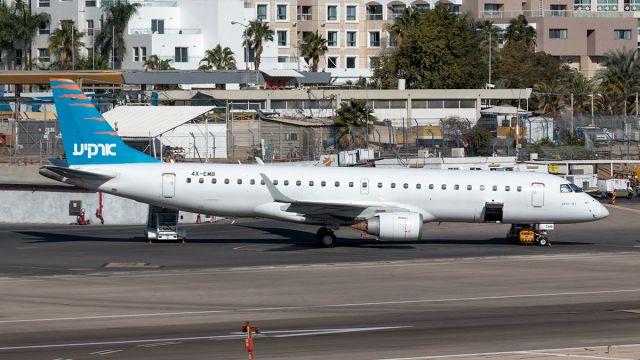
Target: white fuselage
[[439, 195]]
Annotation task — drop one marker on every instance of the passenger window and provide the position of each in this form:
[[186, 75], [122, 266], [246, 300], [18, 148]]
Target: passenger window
[[444, 186], [564, 188], [350, 183], [213, 180], [201, 180], [188, 180], [262, 182], [364, 184], [481, 187], [286, 183], [507, 188], [519, 188], [393, 185], [275, 182], [337, 183], [406, 186], [430, 186], [298, 182], [226, 181], [495, 188], [239, 181], [310, 183], [380, 185], [418, 186], [469, 187], [456, 187], [323, 183], [252, 182]]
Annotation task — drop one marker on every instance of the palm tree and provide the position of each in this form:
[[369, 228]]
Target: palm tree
[[218, 58], [581, 88], [65, 42], [7, 33], [353, 114], [548, 95], [484, 28], [118, 12], [619, 78], [27, 25], [519, 30], [154, 63], [400, 25], [314, 46], [254, 35]]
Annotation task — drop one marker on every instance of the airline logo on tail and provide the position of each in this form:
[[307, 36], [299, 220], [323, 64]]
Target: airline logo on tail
[[94, 149]]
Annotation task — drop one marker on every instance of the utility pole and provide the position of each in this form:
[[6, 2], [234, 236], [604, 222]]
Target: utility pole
[[113, 47], [571, 128], [73, 47]]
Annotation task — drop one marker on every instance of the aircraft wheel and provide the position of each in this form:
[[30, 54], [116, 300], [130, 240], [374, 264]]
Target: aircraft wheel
[[543, 241], [326, 237]]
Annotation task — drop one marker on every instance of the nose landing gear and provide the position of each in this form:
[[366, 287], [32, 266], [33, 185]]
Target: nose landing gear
[[326, 237], [523, 234]]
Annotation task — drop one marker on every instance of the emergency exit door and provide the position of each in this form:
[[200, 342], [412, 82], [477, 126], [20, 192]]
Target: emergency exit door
[[168, 185], [537, 194]]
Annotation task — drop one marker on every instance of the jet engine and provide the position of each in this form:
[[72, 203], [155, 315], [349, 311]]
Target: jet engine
[[393, 226]]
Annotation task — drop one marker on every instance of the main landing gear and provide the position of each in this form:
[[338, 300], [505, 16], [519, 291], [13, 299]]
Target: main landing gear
[[326, 237]]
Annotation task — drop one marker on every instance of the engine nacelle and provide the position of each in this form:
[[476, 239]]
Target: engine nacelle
[[395, 226]]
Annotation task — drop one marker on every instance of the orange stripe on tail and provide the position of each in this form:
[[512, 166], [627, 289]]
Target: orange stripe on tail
[[67, 86], [74, 96], [63, 80], [95, 118], [112, 133], [83, 105]]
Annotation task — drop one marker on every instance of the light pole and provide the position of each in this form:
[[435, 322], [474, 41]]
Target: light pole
[[490, 52], [246, 49]]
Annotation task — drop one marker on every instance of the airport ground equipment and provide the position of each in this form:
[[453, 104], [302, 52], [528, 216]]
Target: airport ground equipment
[[162, 224], [527, 234], [76, 209], [249, 329], [622, 187]]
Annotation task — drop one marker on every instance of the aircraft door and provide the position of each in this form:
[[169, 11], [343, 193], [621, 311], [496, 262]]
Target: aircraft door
[[364, 186], [168, 185], [537, 194]]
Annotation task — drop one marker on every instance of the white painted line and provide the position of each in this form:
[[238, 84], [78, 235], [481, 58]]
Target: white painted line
[[107, 352], [337, 331], [622, 208], [323, 306], [544, 353], [516, 352]]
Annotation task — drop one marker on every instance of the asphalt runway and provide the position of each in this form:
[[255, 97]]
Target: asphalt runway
[[70, 292]]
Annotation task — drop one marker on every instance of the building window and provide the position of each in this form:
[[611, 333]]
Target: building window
[[143, 50], [492, 9], [43, 29], [374, 12], [44, 55], [282, 12], [90, 3], [282, 37], [581, 5], [374, 38], [18, 57], [558, 10], [182, 54], [332, 62], [374, 62], [282, 59], [351, 62], [136, 54], [261, 12], [396, 11], [157, 26], [422, 7], [621, 34], [352, 12], [332, 13], [352, 38], [305, 13], [631, 5], [44, 3], [393, 42], [558, 33], [90, 27], [332, 39], [607, 5]]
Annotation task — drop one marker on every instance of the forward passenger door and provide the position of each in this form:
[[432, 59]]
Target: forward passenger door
[[537, 195]]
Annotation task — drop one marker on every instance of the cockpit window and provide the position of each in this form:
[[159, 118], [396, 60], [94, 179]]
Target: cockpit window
[[576, 188], [565, 188]]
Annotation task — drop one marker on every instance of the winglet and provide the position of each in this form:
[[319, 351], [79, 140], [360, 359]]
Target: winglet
[[275, 193], [259, 161]]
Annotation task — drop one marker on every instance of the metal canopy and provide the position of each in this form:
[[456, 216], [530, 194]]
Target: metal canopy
[[281, 73], [151, 121], [43, 77], [189, 77]]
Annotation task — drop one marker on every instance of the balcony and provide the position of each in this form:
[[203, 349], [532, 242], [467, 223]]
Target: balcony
[[150, 3], [374, 16], [393, 16], [167, 31], [305, 17], [548, 13]]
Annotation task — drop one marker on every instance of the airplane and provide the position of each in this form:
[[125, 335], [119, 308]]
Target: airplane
[[390, 204]]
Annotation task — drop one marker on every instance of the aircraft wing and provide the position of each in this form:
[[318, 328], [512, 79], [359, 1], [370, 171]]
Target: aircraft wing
[[349, 209], [59, 172]]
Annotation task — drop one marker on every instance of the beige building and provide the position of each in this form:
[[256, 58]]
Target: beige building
[[579, 31]]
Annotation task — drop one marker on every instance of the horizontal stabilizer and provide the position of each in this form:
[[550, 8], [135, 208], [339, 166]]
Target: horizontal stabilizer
[[58, 173]]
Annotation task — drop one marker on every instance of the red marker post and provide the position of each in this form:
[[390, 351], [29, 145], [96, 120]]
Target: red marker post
[[248, 341]]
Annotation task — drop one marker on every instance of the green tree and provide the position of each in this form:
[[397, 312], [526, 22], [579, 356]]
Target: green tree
[[218, 58], [517, 66], [26, 27], [439, 52], [65, 42], [118, 13], [7, 34], [550, 97], [519, 30], [155, 64], [314, 47], [254, 36], [400, 25], [354, 114], [619, 78], [89, 63], [581, 88]]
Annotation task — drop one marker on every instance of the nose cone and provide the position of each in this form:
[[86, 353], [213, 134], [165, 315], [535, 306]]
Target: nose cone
[[601, 212]]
